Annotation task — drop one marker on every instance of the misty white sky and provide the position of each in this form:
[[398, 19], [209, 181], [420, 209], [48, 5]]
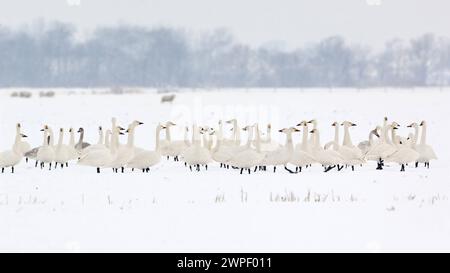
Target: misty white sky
[[256, 22]]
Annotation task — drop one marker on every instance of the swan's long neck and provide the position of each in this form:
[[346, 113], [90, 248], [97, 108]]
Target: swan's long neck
[[416, 135], [186, 137], [44, 142], [16, 146], [305, 137], [371, 134], [347, 139], [100, 137], [316, 138], [269, 134], [108, 138], [196, 136], [258, 140], [60, 139], [130, 142], [311, 139], [394, 136], [386, 135], [423, 137], [289, 143], [168, 135], [250, 137], [80, 141], [52, 138], [237, 133], [157, 138], [72, 139]]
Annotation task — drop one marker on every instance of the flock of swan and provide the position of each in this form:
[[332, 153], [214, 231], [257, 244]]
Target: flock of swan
[[208, 145]]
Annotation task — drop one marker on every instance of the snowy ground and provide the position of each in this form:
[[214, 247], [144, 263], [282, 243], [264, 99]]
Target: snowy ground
[[172, 209]]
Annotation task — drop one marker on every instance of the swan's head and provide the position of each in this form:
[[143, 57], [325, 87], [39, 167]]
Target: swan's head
[[61, 130], [395, 124], [100, 128], [81, 130], [423, 123], [375, 132], [247, 128], [45, 128], [120, 128], [348, 124], [231, 121], [18, 126], [136, 123], [313, 131], [70, 130], [313, 121], [335, 124], [170, 124], [385, 119], [413, 125], [303, 123]]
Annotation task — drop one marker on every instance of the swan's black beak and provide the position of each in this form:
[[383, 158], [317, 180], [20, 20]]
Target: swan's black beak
[[312, 131], [80, 130], [24, 136], [140, 123], [120, 133], [127, 131], [421, 124], [296, 130], [375, 132], [120, 128], [42, 130], [311, 121], [353, 124]]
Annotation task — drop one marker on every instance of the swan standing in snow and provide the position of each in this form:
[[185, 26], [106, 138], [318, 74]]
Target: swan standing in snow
[[126, 152], [23, 145], [351, 154], [166, 143], [147, 159], [174, 148], [426, 151], [196, 154], [62, 152], [302, 156], [46, 153], [73, 153], [236, 137], [384, 148], [249, 158], [404, 155], [282, 155], [221, 153], [328, 158], [102, 158], [12, 157], [267, 144]]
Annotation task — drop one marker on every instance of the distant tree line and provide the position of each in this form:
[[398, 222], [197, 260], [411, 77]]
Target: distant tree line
[[49, 56]]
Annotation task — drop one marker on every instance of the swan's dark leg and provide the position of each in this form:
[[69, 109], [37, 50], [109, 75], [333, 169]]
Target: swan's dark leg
[[36, 164], [206, 167], [248, 170], [274, 168], [340, 167], [242, 170], [12, 169], [353, 168], [330, 168], [403, 168], [98, 170], [428, 165], [67, 164], [3, 170], [123, 169], [50, 168], [26, 159], [148, 170], [256, 168], [190, 167], [132, 169]]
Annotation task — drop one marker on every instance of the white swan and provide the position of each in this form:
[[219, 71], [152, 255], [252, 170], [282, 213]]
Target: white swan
[[283, 155], [302, 156], [405, 154], [365, 146], [426, 151], [125, 153], [221, 153], [166, 143], [249, 158], [196, 154], [62, 152], [236, 136], [382, 149], [12, 157], [102, 158], [73, 153], [46, 153], [23, 145], [329, 159], [147, 159], [174, 148], [351, 154]]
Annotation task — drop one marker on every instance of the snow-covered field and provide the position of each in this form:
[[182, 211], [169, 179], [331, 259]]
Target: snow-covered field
[[172, 209]]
